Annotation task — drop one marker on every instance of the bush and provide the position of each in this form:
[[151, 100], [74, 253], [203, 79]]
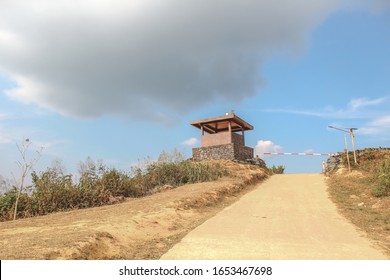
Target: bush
[[382, 180], [184, 172], [7, 202], [380, 191], [384, 174], [55, 191], [52, 192], [121, 184], [277, 169]]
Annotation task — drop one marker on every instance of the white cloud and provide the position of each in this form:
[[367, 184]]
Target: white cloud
[[358, 108], [358, 103], [383, 122], [377, 127], [266, 146], [146, 59], [190, 142], [372, 113]]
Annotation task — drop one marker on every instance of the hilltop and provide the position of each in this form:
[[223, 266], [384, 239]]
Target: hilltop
[[137, 228]]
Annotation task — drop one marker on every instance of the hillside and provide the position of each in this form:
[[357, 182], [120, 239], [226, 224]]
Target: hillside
[[363, 195], [138, 228]]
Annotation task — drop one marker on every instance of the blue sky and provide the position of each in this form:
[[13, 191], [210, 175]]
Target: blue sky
[[101, 87]]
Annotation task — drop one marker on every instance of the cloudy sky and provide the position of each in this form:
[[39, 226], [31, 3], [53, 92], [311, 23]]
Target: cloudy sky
[[120, 80]]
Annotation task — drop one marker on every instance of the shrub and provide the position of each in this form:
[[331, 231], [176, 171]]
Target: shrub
[[384, 174], [380, 191], [184, 172], [277, 169], [172, 169], [7, 203], [382, 180], [121, 184], [55, 191], [52, 192]]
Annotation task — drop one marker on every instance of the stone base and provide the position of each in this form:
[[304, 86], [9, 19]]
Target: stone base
[[230, 151]]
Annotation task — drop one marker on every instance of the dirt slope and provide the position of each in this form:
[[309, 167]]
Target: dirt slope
[[142, 228], [287, 217]]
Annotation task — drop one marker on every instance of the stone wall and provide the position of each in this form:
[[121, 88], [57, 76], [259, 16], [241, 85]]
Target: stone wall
[[238, 139], [214, 152], [228, 151], [242, 152], [334, 162]]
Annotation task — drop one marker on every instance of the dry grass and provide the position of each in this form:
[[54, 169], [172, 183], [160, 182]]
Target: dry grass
[[353, 194]]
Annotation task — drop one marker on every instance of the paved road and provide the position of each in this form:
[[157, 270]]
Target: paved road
[[286, 217]]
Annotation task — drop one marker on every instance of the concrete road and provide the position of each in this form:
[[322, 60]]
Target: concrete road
[[286, 217]]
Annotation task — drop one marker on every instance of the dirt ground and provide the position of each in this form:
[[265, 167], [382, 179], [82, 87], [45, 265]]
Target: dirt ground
[[143, 228]]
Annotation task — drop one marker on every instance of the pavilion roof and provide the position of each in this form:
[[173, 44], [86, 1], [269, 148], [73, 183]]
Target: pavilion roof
[[221, 124]]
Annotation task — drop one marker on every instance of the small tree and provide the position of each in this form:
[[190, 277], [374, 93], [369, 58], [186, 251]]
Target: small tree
[[25, 165]]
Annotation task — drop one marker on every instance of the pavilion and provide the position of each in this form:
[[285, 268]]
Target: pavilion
[[222, 138]]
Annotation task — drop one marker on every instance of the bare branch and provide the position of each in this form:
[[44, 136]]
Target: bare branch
[[25, 167]]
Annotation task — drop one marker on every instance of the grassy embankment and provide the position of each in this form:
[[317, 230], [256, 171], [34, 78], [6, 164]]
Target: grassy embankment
[[363, 195]]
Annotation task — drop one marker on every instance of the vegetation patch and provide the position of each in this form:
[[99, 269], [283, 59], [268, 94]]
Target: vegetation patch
[[53, 191], [277, 169], [363, 196]]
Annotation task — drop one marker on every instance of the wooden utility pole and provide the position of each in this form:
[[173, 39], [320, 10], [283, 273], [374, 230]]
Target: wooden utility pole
[[350, 131], [346, 151], [353, 143]]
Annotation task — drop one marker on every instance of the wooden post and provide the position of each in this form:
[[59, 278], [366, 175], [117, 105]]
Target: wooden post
[[347, 153], [230, 131], [353, 144]]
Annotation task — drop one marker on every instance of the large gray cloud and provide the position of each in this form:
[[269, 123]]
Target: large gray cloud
[[146, 59]]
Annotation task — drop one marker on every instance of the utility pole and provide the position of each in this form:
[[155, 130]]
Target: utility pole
[[346, 151], [353, 143], [350, 131]]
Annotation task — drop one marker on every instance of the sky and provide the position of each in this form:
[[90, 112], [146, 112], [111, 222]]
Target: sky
[[120, 81]]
